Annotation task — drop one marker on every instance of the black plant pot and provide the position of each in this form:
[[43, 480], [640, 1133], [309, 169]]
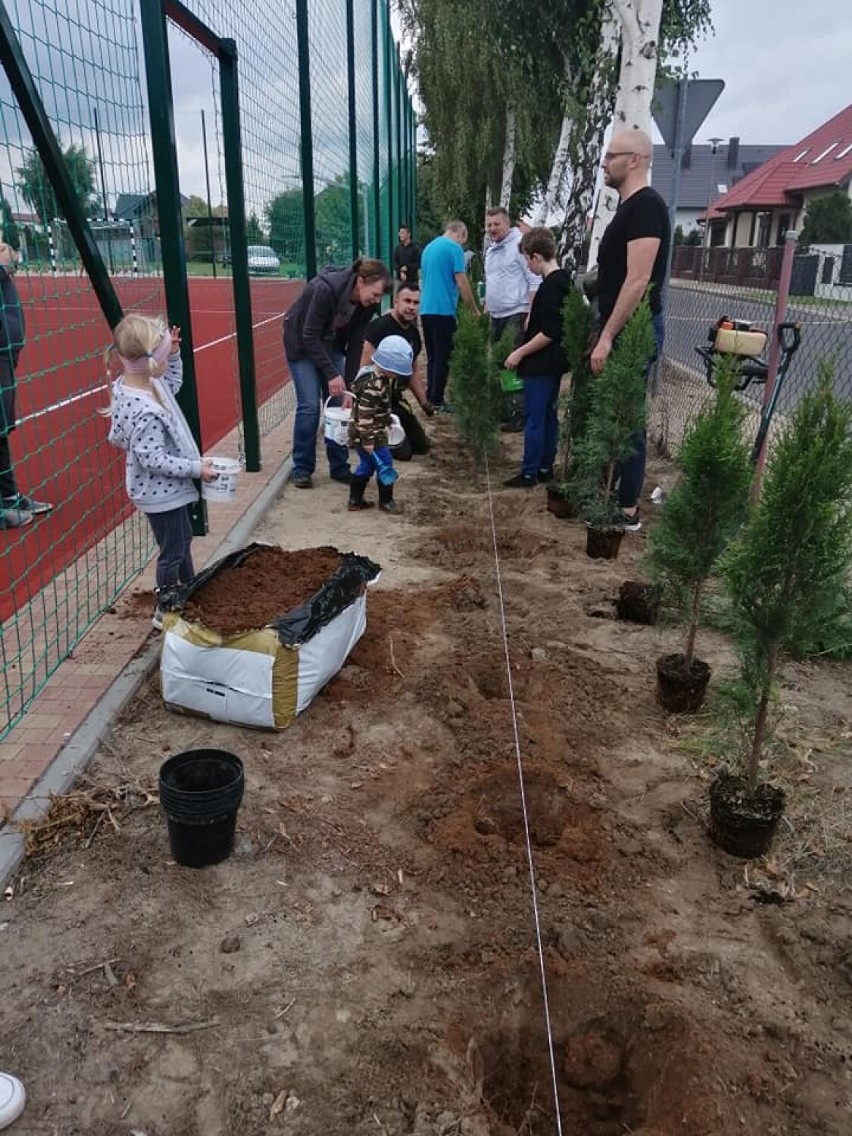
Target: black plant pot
[[638, 602], [559, 503], [744, 823], [603, 541], [681, 689]]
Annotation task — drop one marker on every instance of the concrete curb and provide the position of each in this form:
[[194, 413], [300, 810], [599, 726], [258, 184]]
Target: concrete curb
[[82, 746]]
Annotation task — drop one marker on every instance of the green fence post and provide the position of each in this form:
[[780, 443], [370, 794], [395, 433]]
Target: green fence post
[[400, 160], [353, 128], [413, 166], [160, 107], [35, 116], [386, 36], [307, 142], [377, 153], [230, 101]]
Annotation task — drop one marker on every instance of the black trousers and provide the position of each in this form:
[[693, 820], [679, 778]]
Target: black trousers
[[8, 488], [438, 332], [416, 441]]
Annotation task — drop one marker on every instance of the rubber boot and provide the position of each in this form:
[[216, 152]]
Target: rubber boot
[[386, 501], [356, 494]]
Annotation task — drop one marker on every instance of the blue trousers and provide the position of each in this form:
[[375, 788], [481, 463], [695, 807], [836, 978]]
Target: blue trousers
[[311, 392], [541, 423], [367, 467], [173, 532], [631, 472]]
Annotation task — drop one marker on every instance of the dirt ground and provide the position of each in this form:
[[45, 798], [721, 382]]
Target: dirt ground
[[367, 962]]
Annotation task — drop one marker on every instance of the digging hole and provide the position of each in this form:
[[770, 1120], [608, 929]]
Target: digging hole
[[625, 1072], [500, 809]]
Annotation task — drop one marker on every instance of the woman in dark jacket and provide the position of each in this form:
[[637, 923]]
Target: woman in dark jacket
[[323, 336]]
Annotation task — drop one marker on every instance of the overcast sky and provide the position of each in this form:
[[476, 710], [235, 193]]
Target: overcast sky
[[785, 65]]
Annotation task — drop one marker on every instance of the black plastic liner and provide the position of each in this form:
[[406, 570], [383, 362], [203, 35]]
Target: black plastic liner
[[341, 589]]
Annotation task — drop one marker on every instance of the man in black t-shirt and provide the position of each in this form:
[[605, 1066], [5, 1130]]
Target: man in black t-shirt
[[632, 254], [406, 257], [402, 320]]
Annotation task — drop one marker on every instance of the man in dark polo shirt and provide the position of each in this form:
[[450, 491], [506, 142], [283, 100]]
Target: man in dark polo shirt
[[632, 254], [406, 258], [402, 320]]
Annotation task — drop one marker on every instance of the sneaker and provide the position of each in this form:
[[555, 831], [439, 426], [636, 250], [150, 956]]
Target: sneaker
[[344, 477], [302, 481], [12, 1099], [34, 507], [514, 426], [158, 617], [630, 523], [357, 506], [520, 481], [544, 476], [14, 518], [390, 507]]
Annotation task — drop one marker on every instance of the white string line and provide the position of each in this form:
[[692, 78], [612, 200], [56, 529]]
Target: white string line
[[104, 386], [530, 860]]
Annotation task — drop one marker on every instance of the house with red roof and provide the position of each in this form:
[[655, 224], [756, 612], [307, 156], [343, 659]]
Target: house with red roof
[[759, 209]]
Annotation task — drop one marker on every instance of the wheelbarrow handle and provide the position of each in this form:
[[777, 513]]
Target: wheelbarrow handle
[[790, 336]]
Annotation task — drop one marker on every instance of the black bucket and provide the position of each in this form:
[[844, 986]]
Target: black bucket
[[200, 793]]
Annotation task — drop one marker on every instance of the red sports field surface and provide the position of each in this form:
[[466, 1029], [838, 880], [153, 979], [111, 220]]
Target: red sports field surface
[[59, 449]]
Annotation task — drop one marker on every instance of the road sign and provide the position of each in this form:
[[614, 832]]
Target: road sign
[[701, 94]]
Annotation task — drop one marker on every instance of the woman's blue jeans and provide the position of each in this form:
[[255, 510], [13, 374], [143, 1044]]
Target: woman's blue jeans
[[311, 392]]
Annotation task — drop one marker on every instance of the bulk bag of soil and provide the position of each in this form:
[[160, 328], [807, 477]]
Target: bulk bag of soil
[[261, 631]]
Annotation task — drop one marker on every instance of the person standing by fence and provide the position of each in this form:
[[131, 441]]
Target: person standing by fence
[[406, 257], [443, 280], [16, 509], [162, 456], [632, 255], [323, 337]]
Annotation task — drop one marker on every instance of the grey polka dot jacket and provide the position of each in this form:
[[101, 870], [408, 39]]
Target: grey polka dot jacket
[[162, 457]]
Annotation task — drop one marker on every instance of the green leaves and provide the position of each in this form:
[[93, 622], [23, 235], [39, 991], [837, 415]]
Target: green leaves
[[709, 504], [37, 191], [474, 384], [790, 563], [616, 414]]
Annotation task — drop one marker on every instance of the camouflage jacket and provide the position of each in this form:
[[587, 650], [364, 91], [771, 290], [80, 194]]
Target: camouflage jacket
[[372, 394]]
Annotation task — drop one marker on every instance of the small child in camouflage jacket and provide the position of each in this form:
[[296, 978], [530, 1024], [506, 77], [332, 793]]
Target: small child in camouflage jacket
[[372, 391]]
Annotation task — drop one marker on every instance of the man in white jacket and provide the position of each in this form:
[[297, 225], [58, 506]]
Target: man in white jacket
[[509, 284]]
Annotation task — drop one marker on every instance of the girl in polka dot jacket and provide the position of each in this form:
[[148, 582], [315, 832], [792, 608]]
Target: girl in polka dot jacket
[[162, 456]]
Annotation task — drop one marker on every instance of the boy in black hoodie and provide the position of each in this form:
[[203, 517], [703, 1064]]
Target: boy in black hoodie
[[16, 509]]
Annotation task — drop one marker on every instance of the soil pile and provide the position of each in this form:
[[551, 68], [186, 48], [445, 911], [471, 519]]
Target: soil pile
[[268, 583]]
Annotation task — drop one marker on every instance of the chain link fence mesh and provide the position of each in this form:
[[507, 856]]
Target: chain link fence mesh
[[742, 284], [62, 570]]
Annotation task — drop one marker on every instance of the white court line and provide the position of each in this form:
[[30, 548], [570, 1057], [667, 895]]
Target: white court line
[[104, 386]]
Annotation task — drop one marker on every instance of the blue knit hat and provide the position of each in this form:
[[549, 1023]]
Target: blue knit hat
[[394, 354]]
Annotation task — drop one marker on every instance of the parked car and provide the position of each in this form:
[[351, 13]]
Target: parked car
[[262, 261]]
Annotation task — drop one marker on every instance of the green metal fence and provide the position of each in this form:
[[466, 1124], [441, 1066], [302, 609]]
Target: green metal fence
[[142, 101]]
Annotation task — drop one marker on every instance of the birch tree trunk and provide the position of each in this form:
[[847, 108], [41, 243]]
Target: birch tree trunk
[[640, 29], [585, 144], [509, 151], [557, 182]]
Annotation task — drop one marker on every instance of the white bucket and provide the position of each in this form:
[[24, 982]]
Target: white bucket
[[336, 423], [224, 487], [396, 434]]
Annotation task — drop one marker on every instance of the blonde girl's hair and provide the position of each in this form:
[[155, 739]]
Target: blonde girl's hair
[[134, 340]]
